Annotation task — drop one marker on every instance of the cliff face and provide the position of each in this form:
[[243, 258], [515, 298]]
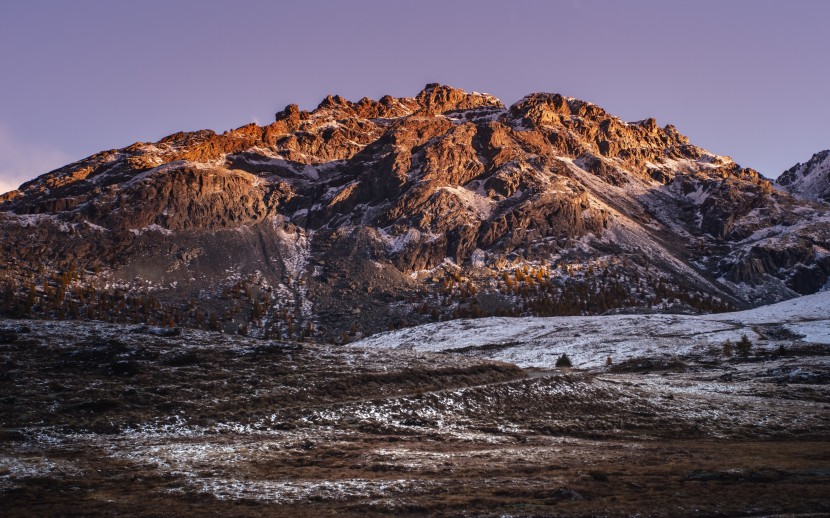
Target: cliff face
[[355, 217]]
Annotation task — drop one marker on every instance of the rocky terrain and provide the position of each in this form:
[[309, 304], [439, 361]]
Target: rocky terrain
[[810, 180], [359, 217], [135, 420]]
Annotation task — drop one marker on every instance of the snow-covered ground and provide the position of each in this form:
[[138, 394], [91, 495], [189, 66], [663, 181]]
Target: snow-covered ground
[[589, 341]]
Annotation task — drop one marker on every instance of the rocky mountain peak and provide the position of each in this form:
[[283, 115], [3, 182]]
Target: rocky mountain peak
[[335, 101], [810, 180], [437, 98], [290, 113], [414, 208]]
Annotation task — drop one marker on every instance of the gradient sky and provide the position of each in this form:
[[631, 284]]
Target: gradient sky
[[748, 78]]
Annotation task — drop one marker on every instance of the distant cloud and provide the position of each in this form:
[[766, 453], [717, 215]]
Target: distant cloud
[[21, 161]]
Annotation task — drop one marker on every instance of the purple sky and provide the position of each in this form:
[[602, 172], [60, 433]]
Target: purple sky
[[749, 79]]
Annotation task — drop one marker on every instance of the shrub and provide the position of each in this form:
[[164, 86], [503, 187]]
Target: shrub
[[563, 361], [728, 348], [599, 476], [180, 358]]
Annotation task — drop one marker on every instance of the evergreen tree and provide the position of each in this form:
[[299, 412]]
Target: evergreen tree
[[744, 345]]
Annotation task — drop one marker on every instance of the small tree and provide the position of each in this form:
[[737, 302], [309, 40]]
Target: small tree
[[744, 345], [609, 361], [213, 322], [728, 348], [563, 361]]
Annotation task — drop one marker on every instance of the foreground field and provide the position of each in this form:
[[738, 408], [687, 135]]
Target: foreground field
[[111, 420]]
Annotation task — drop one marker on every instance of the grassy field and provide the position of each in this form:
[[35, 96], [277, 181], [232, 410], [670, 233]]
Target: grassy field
[[108, 420]]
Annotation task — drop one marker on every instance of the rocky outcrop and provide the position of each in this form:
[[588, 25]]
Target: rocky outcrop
[[438, 99], [807, 272]]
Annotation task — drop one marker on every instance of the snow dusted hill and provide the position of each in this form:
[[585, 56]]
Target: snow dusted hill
[[589, 341], [810, 180]]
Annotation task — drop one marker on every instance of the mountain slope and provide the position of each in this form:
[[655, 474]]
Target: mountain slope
[[809, 181], [590, 340], [357, 217]]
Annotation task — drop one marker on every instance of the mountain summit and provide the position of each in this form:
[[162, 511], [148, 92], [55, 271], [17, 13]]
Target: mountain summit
[[361, 216], [810, 180]]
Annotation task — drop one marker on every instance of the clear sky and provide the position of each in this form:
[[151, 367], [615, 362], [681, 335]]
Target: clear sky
[[745, 78]]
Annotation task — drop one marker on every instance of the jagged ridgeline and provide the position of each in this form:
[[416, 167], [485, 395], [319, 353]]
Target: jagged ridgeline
[[359, 217]]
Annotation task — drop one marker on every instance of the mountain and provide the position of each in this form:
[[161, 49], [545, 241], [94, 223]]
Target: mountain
[[809, 181], [358, 217]]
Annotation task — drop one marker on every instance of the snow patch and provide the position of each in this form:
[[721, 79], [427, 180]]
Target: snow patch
[[589, 341]]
